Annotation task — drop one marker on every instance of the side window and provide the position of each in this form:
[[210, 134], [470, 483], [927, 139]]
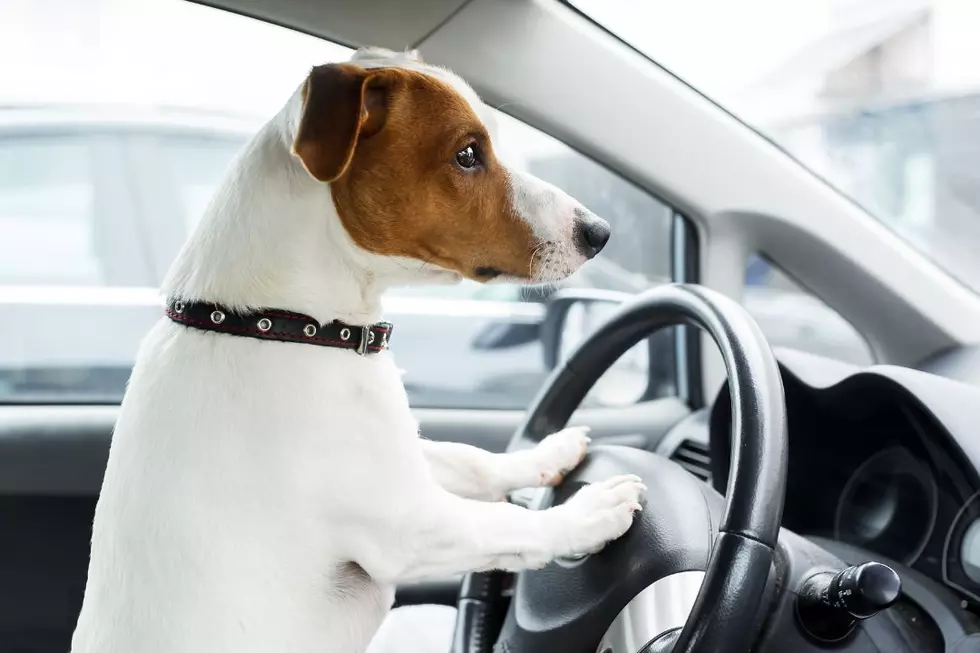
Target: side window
[[176, 175], [638, 254], [48, 206], [792, 317], [176, 124], [194, 166], [491, 356]]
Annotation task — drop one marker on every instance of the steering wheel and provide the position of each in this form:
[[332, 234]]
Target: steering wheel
[[692, 573]]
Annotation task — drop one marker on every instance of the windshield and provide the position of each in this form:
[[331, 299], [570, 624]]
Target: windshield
[[879, 97]]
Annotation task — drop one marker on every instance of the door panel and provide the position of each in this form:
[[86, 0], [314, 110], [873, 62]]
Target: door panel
[[643, 424], [52, 459], [62, 450]]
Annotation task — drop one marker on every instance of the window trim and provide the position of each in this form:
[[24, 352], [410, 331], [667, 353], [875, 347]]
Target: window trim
[[685, 268]]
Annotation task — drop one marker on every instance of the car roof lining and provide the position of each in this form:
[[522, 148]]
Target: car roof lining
[[395, 24]]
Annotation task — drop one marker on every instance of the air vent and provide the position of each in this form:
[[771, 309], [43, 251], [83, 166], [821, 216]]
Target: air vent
[[694, 457]]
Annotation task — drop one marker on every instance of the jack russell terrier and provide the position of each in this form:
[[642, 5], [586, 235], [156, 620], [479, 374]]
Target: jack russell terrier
[[266, 489]]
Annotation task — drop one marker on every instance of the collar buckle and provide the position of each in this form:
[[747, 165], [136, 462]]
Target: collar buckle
[[365, 335]]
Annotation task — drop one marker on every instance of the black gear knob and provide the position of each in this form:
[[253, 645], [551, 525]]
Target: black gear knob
[[828, 605]]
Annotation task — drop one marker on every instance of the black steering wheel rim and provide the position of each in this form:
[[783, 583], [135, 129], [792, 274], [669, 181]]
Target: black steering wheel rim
[[737, 573], [755, 386]]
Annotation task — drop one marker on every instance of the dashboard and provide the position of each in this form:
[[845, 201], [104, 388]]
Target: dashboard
[[884, 459]]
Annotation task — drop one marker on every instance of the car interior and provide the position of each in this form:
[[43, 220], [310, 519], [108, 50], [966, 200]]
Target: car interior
[[796, 502]]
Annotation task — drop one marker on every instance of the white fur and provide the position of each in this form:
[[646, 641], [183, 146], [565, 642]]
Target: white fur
[[265, 496]]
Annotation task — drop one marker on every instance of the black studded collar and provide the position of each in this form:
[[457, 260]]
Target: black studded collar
[[284, 326]]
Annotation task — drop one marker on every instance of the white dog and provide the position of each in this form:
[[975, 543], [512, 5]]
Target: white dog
[[266, 493]]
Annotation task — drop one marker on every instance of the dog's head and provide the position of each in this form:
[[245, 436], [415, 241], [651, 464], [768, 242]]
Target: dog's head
[[408, 151]]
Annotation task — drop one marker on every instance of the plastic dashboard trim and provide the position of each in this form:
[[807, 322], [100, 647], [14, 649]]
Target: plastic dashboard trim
[[953, 404]]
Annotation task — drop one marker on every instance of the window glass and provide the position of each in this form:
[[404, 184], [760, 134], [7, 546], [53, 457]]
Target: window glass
[[493, 357], [637, 255], [879, 97], [194, 167], [791, 317], [48, 232], [182, 111]]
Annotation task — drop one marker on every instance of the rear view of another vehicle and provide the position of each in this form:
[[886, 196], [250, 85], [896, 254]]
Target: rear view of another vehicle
[[79, 261]]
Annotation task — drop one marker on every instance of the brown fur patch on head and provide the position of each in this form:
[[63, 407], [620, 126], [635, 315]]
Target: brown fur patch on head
[[387, 139]]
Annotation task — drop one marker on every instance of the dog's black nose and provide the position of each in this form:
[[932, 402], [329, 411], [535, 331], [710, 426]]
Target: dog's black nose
[[592, 233]]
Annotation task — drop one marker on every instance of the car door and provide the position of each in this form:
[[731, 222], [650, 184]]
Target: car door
[[70, 272], [472, 354]]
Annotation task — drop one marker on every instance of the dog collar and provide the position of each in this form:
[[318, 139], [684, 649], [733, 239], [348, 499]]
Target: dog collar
[[284, 326]]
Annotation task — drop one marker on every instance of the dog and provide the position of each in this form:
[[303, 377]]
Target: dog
[[269, 495]]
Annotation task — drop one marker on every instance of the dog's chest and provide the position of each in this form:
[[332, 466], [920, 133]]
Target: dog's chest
[[240, 458], [305, 418]]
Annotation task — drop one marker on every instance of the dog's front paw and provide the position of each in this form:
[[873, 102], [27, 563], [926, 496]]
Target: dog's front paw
[[597, 514], [548, 462]]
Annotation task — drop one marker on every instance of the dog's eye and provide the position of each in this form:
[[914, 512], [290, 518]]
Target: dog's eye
[[468, 157]]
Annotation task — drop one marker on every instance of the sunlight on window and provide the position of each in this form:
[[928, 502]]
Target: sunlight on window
[[879, 97], [217, 66]]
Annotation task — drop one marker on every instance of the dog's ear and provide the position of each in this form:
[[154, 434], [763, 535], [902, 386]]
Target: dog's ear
[[341, 104]]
